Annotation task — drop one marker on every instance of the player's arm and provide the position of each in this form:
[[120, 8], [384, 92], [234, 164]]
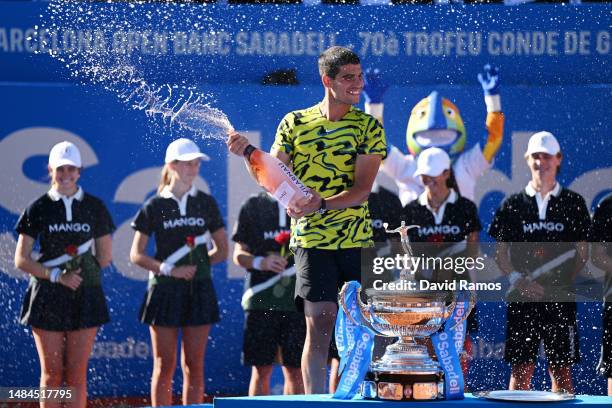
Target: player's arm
[[366, 168], [282, 156], [489, 80]]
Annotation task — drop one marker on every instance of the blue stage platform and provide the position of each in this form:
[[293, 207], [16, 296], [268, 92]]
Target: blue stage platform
[[310, 401]]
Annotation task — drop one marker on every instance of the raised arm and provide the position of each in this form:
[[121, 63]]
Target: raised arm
[[489, 80]]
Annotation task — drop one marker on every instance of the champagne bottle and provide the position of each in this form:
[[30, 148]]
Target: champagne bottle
[[273, 175]]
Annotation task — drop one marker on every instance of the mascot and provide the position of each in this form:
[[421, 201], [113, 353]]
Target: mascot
[[436, 122]]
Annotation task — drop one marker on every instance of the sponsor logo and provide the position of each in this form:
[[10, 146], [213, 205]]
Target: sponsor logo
[[440, 229], [543, 226], [184, 222], [70, 227], [129, 348], [293, 178]]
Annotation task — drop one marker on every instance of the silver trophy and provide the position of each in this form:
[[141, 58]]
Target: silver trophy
[[406, 371]]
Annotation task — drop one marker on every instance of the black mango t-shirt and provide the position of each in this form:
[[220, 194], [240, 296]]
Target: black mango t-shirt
[[45, 220]]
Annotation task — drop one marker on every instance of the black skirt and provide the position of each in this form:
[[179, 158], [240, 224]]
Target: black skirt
[[180, 303], [54, 307]]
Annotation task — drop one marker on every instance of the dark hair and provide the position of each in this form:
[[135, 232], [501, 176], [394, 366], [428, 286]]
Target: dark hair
[[335, 57], [451, 181]]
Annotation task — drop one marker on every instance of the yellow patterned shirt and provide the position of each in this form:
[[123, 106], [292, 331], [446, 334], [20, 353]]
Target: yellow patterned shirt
[[323, 155]]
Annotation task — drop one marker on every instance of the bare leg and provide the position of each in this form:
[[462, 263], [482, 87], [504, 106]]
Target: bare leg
[[79, 344], [51, 347], [195, 339], [609, 387], [260, 380], [334, 379], [163, 340], [293, 380], [520, 377], [320, 319], [561, 378]]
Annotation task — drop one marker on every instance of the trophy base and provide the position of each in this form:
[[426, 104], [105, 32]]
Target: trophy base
[[403, 387]]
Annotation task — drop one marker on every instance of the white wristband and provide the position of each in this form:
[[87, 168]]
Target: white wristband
[[257, 261], [375, 109], [165, 269], [493, 103], [54, 275], [514, 276]]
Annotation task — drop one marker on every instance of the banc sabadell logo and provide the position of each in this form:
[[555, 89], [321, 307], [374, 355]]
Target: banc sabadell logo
[[19, 146]]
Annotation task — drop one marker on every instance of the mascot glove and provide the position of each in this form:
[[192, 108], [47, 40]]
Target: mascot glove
[[374, 86], [489, 80]]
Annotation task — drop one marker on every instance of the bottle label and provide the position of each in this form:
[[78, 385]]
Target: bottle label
[[284, 193], [294, 179]]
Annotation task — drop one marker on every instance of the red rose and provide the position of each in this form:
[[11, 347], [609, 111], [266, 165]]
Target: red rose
[[75, 261], [190, 241], [72, 250], [282, 238]]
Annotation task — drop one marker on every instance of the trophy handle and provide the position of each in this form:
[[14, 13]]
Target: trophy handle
[[363, 308], [469, 309]]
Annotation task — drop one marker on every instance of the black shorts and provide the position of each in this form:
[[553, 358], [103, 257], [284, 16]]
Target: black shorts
[[529, 324], [267, 331], [180, 303], [605, 363], [322, 272], [54, 307]]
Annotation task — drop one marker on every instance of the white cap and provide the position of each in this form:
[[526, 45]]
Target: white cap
[[184, 150], [64, 153], [432, 162], [543, 142]]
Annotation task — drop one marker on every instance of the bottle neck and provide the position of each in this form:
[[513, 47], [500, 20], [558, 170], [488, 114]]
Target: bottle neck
[[248, 151]]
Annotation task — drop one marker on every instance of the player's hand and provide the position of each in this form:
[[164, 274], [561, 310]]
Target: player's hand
[[489, 80], [274, 263], [374, 86], [236, 143], [71, 279], [305, 206], [186, 272], [530, 289]]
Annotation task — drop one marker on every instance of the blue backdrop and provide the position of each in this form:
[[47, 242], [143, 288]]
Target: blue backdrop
[[561, 86]]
